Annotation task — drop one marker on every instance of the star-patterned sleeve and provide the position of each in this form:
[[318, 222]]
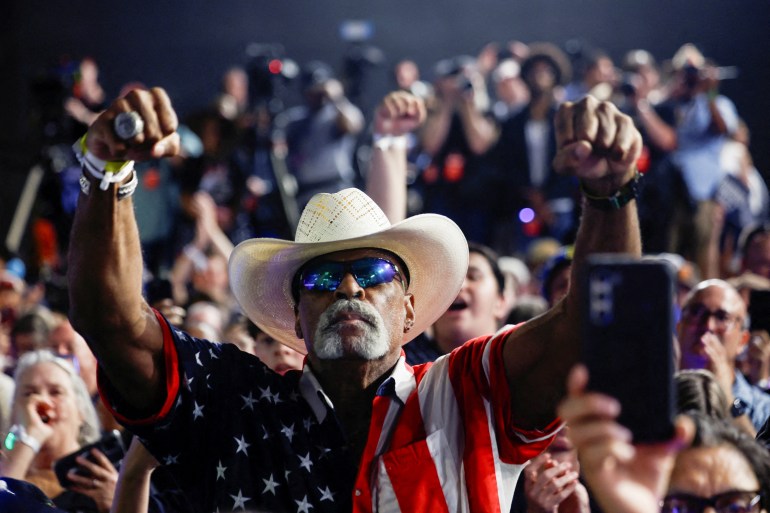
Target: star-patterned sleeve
[[236, 435]]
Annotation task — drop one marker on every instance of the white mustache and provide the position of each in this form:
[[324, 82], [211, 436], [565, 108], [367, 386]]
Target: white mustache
[[345, 306], [370, 344]]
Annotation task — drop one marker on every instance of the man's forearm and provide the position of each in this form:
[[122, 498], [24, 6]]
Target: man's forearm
[[599, 146], [480, 131], [106, 304], [385, 182], [105, 264]]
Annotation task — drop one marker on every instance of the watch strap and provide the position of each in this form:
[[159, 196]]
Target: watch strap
[[622, 197]]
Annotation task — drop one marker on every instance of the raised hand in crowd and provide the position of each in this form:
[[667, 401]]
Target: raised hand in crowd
[[398, 114], [99, 482], [551, 484], [132, 494], [623, 478]]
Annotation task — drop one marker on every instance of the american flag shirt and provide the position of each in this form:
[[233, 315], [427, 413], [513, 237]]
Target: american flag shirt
[[238, 436]]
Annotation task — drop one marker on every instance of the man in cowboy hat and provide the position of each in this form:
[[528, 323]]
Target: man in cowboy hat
[[357, 429]]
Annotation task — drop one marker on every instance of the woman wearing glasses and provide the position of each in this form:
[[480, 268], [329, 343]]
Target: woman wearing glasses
[[709, 464]]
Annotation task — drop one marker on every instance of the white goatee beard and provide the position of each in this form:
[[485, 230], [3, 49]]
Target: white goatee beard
[[370, 345]]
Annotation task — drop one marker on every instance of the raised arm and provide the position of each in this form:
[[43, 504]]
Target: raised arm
[[398, 114], [599, 145], [623, 478], [105, 259]]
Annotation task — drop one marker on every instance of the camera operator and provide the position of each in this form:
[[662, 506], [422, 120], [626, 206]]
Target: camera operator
[[320, 136], [457, 135], [705, 119], [640, 96]]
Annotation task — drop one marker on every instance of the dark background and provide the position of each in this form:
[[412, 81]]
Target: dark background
[[185, 45]]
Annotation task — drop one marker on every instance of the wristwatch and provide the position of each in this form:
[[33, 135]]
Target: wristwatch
[[739, 407], [17, 433], [622, 197]]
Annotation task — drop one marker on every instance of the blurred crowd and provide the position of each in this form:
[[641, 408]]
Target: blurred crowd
[[483, 158]]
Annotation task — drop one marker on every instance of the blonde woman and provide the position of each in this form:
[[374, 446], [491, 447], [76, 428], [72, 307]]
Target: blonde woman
[[53, 416]]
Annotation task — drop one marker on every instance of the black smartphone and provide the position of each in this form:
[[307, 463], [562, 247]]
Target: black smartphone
[[759, 310], [628, 326], [111, 444]]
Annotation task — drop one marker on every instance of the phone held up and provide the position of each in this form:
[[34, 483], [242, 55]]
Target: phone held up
[[627, 334], [111, 444]]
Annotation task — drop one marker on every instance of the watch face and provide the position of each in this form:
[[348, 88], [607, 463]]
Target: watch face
[[10, 441], [739, 407]]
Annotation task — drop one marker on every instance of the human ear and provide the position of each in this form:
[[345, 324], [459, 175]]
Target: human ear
[[297, 326], [409, 312]]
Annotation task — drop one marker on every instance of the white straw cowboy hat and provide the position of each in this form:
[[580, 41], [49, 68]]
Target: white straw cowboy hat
[[432, 247]]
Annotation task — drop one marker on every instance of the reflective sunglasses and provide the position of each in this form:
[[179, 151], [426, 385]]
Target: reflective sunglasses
[[728, 502], [325, 276]]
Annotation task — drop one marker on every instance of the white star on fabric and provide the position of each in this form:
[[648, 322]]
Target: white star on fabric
[[267, 433], [242, 445], [304, 461], [171, 460], [270, 485], [303, 505], [294, 396], [240, 500], [4, 487], [276, 398], [198, 358], [212, 355], [198, 411], [207, 382], [266, 394], [288, 431], [307, 422], [221, 470], [326, 494], [248, 402], [188, 381]]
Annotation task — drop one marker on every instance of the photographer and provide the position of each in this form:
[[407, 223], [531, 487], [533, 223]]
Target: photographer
[[705, 120], [319, 137], [458, 132], [640, 96]]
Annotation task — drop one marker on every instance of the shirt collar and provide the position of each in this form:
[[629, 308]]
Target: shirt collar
[[399, 385], [741, 387]]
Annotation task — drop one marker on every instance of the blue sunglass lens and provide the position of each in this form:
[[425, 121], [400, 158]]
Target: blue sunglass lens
[[368, 272], [325, 276]]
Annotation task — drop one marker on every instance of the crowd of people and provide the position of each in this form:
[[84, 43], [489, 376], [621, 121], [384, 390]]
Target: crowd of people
[[267, 337]]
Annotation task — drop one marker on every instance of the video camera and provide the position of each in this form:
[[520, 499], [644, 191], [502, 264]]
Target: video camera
[[269, 72], [455, 67]]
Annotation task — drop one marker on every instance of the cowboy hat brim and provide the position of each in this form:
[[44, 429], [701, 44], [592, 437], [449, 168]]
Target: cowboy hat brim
[[432, 247]]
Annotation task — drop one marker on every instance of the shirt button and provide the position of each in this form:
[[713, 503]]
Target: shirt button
[[358, 493]]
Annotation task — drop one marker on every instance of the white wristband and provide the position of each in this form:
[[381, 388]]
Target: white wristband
[[105, 171], [124, 191], [19, 434], [386, 142]]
